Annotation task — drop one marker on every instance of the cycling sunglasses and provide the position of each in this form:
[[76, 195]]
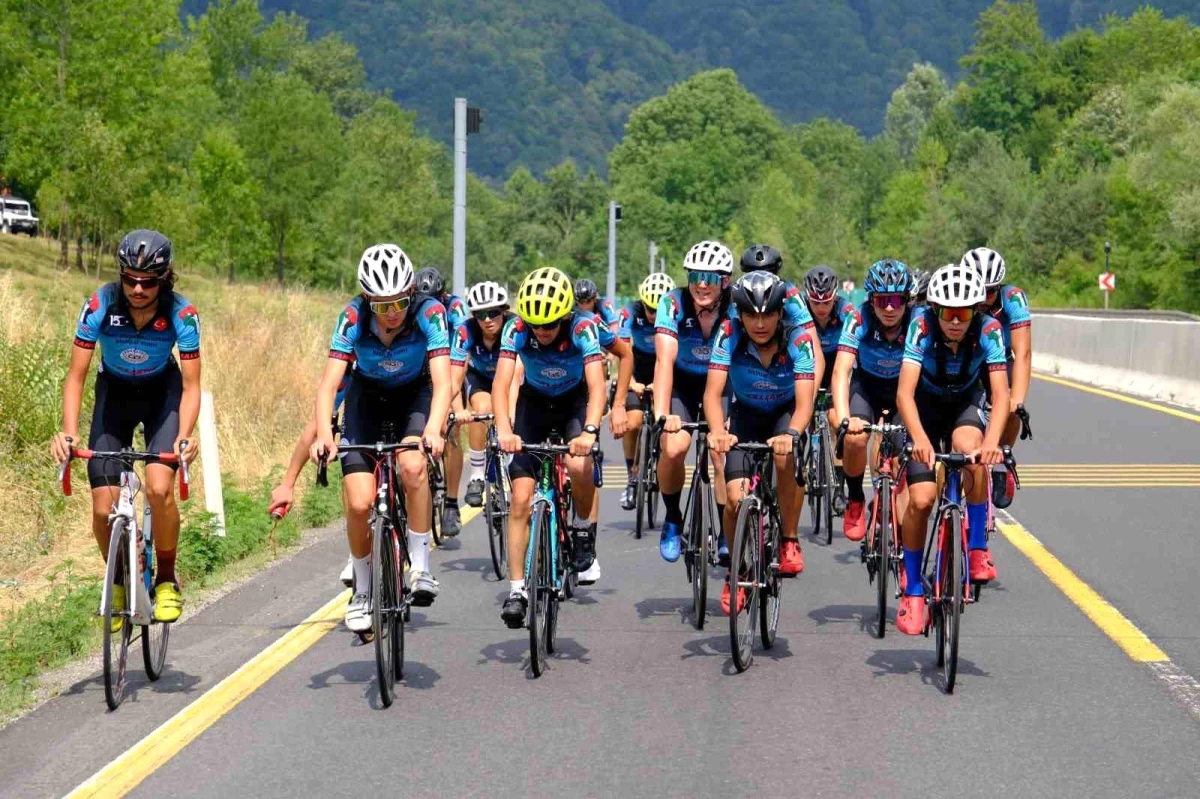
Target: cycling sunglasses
[[819, 296], [144, 282], [390, 306], [886, 302], [488, 315], [708, 278], [955, 314], [547, 326]]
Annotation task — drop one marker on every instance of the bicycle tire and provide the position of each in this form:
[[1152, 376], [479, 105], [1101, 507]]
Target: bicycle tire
[[952, 596], [552, 602], [812, 480], [154, 644], [698, 552], [496, 516], [772, 591], [539, 529], [745, 557], [115, 662], [643, 488], [383, 607], [652, 495], [437, 497], [827, 483], [881, 551]]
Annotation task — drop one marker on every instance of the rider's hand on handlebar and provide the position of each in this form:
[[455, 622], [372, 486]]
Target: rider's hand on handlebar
[[60, 447], [988, 454], [781, 444], [581, 445], [509, 442], [323, 447], [636, 387], [672, 423], [618, 421], [721, 442], [433, 441], [855, 426], [189, 453], [923, 451]]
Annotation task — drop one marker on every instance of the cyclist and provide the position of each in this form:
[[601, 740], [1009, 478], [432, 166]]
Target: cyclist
[[564, 392], [430, 282], [947, 351], [829, 314], [769, 370], [637, 327], [587, 298], [1009, 305], [400, 346], [920, 283], [795, 311], [873, 337], [137, 322], [685, 324], [473, 359]]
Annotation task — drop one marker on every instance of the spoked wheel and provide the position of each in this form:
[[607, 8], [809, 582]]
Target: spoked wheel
[[827, 485], [652, 495], [771, 593], [561, 571], [539, 588], [950, 595], [439, 509], [496, 509], [642, 510], [154, 646], [698, 553], [384, 606], [746, 575], [116, 644], [812, 479], [881, 552]]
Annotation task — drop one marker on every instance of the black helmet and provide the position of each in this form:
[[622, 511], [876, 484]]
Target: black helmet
[[820, 283], [920, 282], [762, 258], [759, 292], [145, 251], [430, 281], [585, 290]]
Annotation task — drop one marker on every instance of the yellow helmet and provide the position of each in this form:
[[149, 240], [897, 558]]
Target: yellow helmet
[[654, 287], [545, 296]]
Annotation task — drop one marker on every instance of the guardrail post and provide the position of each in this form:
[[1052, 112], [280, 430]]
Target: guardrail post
[[214, 499]]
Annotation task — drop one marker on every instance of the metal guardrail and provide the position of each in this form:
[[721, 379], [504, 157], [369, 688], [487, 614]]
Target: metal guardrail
[[1119, 313]]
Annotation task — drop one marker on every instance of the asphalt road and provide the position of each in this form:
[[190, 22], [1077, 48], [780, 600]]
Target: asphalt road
[[640, 703]]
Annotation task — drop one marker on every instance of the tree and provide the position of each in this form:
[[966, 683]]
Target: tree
[[227, 195], [912, 106]]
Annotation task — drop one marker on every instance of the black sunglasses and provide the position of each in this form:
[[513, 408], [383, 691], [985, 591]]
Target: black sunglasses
[[545, 327], [144, 282], [491, 313]]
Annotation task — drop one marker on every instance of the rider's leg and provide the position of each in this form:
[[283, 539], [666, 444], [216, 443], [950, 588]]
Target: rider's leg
[[518, 527], [164, 514]]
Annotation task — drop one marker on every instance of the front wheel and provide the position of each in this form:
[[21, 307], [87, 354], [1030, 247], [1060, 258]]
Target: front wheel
[[538, 586], [827, 485], [116, 644], [384, 607], [772, 583], [949, 594], [881, 551], [496, 508], [698, 552], [745, 576], [642, 491]]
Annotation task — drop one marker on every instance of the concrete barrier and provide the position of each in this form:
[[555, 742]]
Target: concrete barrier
[[1150, 355]]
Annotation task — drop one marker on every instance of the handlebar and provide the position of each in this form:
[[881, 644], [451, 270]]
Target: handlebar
[[547, 448], [1023, 415], [127, 456], [379, 448], [885, 429], [960, 460], [760, 449]]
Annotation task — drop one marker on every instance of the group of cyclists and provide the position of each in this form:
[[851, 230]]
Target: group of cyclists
[[946, 354]]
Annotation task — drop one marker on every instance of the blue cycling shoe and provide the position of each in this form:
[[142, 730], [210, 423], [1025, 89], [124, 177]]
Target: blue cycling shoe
[[668, 543]]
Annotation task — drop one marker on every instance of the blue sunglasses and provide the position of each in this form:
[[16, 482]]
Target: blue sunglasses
[[711, 278]]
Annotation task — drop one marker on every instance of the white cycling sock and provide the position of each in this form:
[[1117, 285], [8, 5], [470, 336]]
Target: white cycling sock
[[477, 462], [362, 574], [418, 551], [518, 586]]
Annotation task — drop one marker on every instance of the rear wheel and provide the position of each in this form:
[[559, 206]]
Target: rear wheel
[[496, 509], [881, 552], [384, 607], [812, 478], [116, 644], [642, 490], [745, 573], [827, 483], [437, 489], [154, 644], [771, 592], [539, 591]]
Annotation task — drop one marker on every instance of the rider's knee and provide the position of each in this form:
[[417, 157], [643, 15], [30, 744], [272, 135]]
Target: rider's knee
[[921, 497]]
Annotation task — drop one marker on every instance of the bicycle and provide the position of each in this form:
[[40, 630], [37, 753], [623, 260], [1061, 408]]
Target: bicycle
[[496, 498], [549, 559], [437, 486], [699, 545], [881, 550], [948, 587], [130, 563], [755, 556], [390, 598], [819, 468], [646, 457]]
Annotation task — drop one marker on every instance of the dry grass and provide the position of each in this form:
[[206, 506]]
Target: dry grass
[[262, 351]]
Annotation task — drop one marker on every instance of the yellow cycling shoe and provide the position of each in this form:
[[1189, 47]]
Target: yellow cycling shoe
[[117, 595], [168, 602]]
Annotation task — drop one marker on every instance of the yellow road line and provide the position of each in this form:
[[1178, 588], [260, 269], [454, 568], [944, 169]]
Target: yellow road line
[[1121, 397], [125, 773], [1110, 620]]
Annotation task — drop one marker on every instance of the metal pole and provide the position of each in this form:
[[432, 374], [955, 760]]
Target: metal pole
[[460, 195], [1107, 250], [653, 256], [611, 287]]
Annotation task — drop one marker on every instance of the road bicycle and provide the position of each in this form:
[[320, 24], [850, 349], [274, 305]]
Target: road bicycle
[[701, 524], [819, 471], [646, 457]]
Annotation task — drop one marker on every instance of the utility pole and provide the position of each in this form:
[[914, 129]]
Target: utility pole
[[653, 256], [1107, 250], [466, 120], [614, 216]]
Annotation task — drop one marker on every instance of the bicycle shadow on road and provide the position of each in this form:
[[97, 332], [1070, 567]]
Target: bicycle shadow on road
[[681, 608], [861, 617], [171, 682], [364, 673], [516, 652], [922, 662], [480, 566], [719, 646], [586, 595]]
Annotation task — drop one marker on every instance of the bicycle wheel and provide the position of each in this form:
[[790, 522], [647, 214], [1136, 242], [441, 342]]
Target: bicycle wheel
[[952, 594], [643, 487], [772, 590], [881, 552], [496, 511], [116, 645], [827, 483], [652, 495], [812, 480], [746, 574], [698, 553], [383, 606], [539, 592], [154, 644], [552, 576]]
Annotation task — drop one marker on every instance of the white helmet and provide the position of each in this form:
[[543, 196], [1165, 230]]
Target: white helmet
[[486, 294], [956, 286], [709, 256], [384, 270], [988, 262]]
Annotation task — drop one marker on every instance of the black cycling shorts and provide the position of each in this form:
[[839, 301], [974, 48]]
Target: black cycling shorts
[[643, 372], [941, 416], [870, 397], [538, 415], [122, 405], [687, 397], [369, 406], [754, 426], [827, 376], [474, 383]]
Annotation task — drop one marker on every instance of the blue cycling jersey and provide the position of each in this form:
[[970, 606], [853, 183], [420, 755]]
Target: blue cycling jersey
[[1012, 311], [606, 335], [608, 315], [795, 309], [636, 328], [831, 334], [423, 336], [470, 350], [557, 367], [676, 317], [876, 356], [129, 353], [762, 388], [951, 374], [456, 310]]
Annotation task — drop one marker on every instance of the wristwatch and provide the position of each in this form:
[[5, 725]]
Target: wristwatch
[[591, 428]]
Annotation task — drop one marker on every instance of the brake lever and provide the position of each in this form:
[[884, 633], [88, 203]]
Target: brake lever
[[323, 471]]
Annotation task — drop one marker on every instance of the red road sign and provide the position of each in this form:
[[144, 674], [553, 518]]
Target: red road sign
[[1108, 281]]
